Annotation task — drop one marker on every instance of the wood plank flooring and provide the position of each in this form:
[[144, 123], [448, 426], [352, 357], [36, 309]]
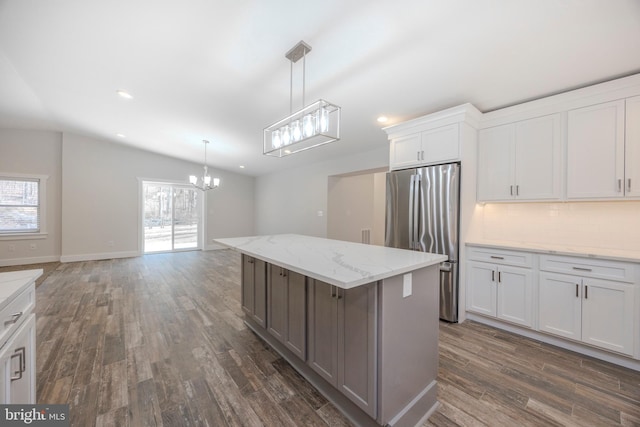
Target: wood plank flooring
[[160, 341]]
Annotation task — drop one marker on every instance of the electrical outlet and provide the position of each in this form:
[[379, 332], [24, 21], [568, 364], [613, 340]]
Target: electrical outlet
[[110, 243], [33, 246]]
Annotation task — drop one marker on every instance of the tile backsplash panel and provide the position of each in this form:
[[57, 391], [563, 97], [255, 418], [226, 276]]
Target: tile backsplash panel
[[611, 225]]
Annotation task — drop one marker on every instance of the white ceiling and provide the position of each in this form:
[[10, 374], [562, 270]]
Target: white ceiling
[[215, 69]]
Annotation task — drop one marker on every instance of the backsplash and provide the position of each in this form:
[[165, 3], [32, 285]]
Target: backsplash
[[611, 225]]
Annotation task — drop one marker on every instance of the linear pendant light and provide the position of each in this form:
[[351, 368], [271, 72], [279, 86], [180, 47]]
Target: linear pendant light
[[315, 124]]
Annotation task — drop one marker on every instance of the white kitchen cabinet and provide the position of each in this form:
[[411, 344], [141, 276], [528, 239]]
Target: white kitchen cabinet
[[521, 160], [498, 290], [595, 151], [18, 365], [594, 311], [632, 148], [439, 145]]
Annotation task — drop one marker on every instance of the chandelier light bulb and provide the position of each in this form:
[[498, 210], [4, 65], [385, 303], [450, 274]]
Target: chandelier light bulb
[[307, 126], [286, 135], [275, 139], [324, 120], [296, 132]]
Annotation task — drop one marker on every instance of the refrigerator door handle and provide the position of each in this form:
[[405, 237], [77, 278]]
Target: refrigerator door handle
[[411, 218], [415, 207]]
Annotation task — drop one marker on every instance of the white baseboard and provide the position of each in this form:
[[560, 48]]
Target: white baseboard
[[27, 261], [100, 256]]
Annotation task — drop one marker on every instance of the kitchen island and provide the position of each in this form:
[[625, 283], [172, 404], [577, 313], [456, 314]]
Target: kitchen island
[[359, 322]]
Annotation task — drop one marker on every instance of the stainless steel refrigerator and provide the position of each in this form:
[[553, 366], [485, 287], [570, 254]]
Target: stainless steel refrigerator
[[423, 214]]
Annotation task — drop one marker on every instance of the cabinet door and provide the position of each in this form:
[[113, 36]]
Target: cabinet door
[[260, 292], [607, 315], [496, 163], [538, 162], [441, 144], [254, 289], [277, 302], [560, 305], [515, 295], [481, 288], [296, 331], [18, 366], [406, 151], [248, 287], [357, 345], [595, 151], [632, 148], [323, 330]]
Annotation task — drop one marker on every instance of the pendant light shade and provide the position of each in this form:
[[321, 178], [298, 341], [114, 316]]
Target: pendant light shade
[[314, 125]]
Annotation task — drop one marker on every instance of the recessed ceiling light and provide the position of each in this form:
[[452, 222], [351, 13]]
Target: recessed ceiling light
[[241, 166], [124, 94], [120, 135], [382, 119]]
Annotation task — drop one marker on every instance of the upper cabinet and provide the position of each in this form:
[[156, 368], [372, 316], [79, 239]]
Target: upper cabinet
[[437, 138], [432, 146], [632, 148], [595, 151], [521, 160]]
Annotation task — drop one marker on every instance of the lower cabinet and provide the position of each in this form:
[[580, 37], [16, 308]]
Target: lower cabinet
[[500, 291], [254, 289], [342, 339], [287, 308], [594, 311], [18, 365]]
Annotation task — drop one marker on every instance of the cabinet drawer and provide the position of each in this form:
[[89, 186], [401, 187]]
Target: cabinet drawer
[[500, 256], [13, 314], [588, 267]]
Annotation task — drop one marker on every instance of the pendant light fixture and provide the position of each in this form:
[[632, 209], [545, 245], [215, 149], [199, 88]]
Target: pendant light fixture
[[314, 125], [205, 184]]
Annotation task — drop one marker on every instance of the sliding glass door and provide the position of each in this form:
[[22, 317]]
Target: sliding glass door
[[171, 217]]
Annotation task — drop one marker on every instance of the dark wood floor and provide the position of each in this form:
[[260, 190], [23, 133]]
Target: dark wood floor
[[159, 340]]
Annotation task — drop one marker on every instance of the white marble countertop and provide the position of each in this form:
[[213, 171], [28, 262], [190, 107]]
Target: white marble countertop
[[14, 282], [339, 263], [590, 252]]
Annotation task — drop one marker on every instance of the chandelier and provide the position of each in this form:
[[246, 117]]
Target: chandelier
[[205, 184], [314, 125]]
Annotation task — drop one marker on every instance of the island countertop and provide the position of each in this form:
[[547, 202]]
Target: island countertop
[[339, 263], [14, 282]]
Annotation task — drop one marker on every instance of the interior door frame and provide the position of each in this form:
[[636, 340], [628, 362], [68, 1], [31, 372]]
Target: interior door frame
[[202, 218]]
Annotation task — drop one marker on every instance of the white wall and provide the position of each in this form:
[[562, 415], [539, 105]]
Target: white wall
[[610, 225], [100, 198], [289, 201], [34, 152]]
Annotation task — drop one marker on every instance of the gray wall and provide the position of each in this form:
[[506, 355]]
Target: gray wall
[[93, 195], [34, 153], [289, 201]]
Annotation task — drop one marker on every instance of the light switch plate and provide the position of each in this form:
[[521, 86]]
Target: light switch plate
[[406, 285]]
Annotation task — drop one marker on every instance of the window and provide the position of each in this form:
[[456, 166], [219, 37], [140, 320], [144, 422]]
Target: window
[[21, 212]]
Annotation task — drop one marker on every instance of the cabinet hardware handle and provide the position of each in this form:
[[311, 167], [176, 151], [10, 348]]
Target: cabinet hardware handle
[[338, 294], [577, 290], [422, 154], [517, 190], [586, 292], [511, 190], [499, 276], [20, 353], [619, 185], [333, 294], [629, 185], [418, 155], [493, 275], [581, 269], [14, 318], [496, 257]]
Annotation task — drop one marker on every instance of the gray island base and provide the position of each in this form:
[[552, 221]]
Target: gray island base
[[359, 322]]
